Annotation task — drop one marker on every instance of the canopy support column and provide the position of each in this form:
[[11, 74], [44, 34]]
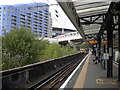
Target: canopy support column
[[119, 47], [109, 28]]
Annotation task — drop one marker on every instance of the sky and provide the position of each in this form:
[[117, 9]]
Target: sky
[[61, 21]]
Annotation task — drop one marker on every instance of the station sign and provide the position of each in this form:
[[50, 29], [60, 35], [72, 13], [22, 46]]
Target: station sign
[[104, 41], [91, 41]]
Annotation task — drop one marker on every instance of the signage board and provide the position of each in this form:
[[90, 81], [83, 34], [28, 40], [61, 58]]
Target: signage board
[[106, 56], [92, 41]]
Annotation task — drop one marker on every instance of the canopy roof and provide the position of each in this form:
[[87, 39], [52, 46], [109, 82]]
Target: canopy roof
[[86, 8], [91, 14], [91, 11]]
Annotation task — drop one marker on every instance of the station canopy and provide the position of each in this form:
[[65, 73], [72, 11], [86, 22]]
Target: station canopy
[[91, 14]]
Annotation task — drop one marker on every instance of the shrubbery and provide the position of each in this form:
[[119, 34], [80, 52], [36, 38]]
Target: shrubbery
[[21, 47], [55, 50]]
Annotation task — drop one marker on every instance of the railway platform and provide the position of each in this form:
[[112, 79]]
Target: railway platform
[[92, 75]]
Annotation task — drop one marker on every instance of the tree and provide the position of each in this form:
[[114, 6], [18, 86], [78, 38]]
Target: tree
[[84, 45], [53, 51], [20, 47]]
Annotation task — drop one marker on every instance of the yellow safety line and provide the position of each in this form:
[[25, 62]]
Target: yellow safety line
[[82, 75]]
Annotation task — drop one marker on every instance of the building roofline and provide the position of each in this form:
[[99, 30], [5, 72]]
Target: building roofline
[[20, 4]]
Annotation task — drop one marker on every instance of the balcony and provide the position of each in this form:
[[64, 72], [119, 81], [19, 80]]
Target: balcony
[[22, 22], [28, 27], [13, 20], [35, 22], [35, 16], [40, 26], [46, 25], [46, 16], [40, 14], [35, 13], [29, 14], [34, 25], [35, 19], [46, 19], [14, 17], [46, 22], [21, 15], [35, 29], [40, 20], [46, 13], [22, 19], [29, 17], [14, 24], [29, 23]]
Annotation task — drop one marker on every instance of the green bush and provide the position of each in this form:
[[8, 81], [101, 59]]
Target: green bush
[[55, 50], [20, 47]]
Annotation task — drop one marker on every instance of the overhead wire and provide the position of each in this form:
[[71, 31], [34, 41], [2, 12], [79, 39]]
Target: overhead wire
[[45, 10], [57, 13]]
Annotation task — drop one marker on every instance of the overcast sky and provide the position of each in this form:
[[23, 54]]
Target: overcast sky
[[60, 21]]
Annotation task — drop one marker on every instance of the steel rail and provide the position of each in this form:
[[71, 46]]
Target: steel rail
[[56, 79]]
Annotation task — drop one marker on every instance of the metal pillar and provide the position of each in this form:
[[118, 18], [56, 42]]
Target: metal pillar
[[104, 51], [99, 47], [93, 47], [119, 46], [110, 47], [96, 49]]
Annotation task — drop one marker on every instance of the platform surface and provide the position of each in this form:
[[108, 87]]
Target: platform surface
[[94, 76]]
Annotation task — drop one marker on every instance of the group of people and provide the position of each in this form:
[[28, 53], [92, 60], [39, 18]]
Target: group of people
[[97, 59]]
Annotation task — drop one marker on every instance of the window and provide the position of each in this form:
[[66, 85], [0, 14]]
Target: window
[[40, 14], [4, 10], [3, 15], [0, 8], [35, 13], [12, 10], [29, 13], [40, 17], [40, 11], [8, 10]]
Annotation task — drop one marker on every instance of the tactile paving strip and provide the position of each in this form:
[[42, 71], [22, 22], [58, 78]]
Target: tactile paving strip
[[106, 81]]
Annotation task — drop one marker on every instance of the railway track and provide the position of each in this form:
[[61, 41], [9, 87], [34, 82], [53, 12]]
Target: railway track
[[58, 78]]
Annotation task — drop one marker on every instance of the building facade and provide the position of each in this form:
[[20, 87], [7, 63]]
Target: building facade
[[59, 31], [33, 16]]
